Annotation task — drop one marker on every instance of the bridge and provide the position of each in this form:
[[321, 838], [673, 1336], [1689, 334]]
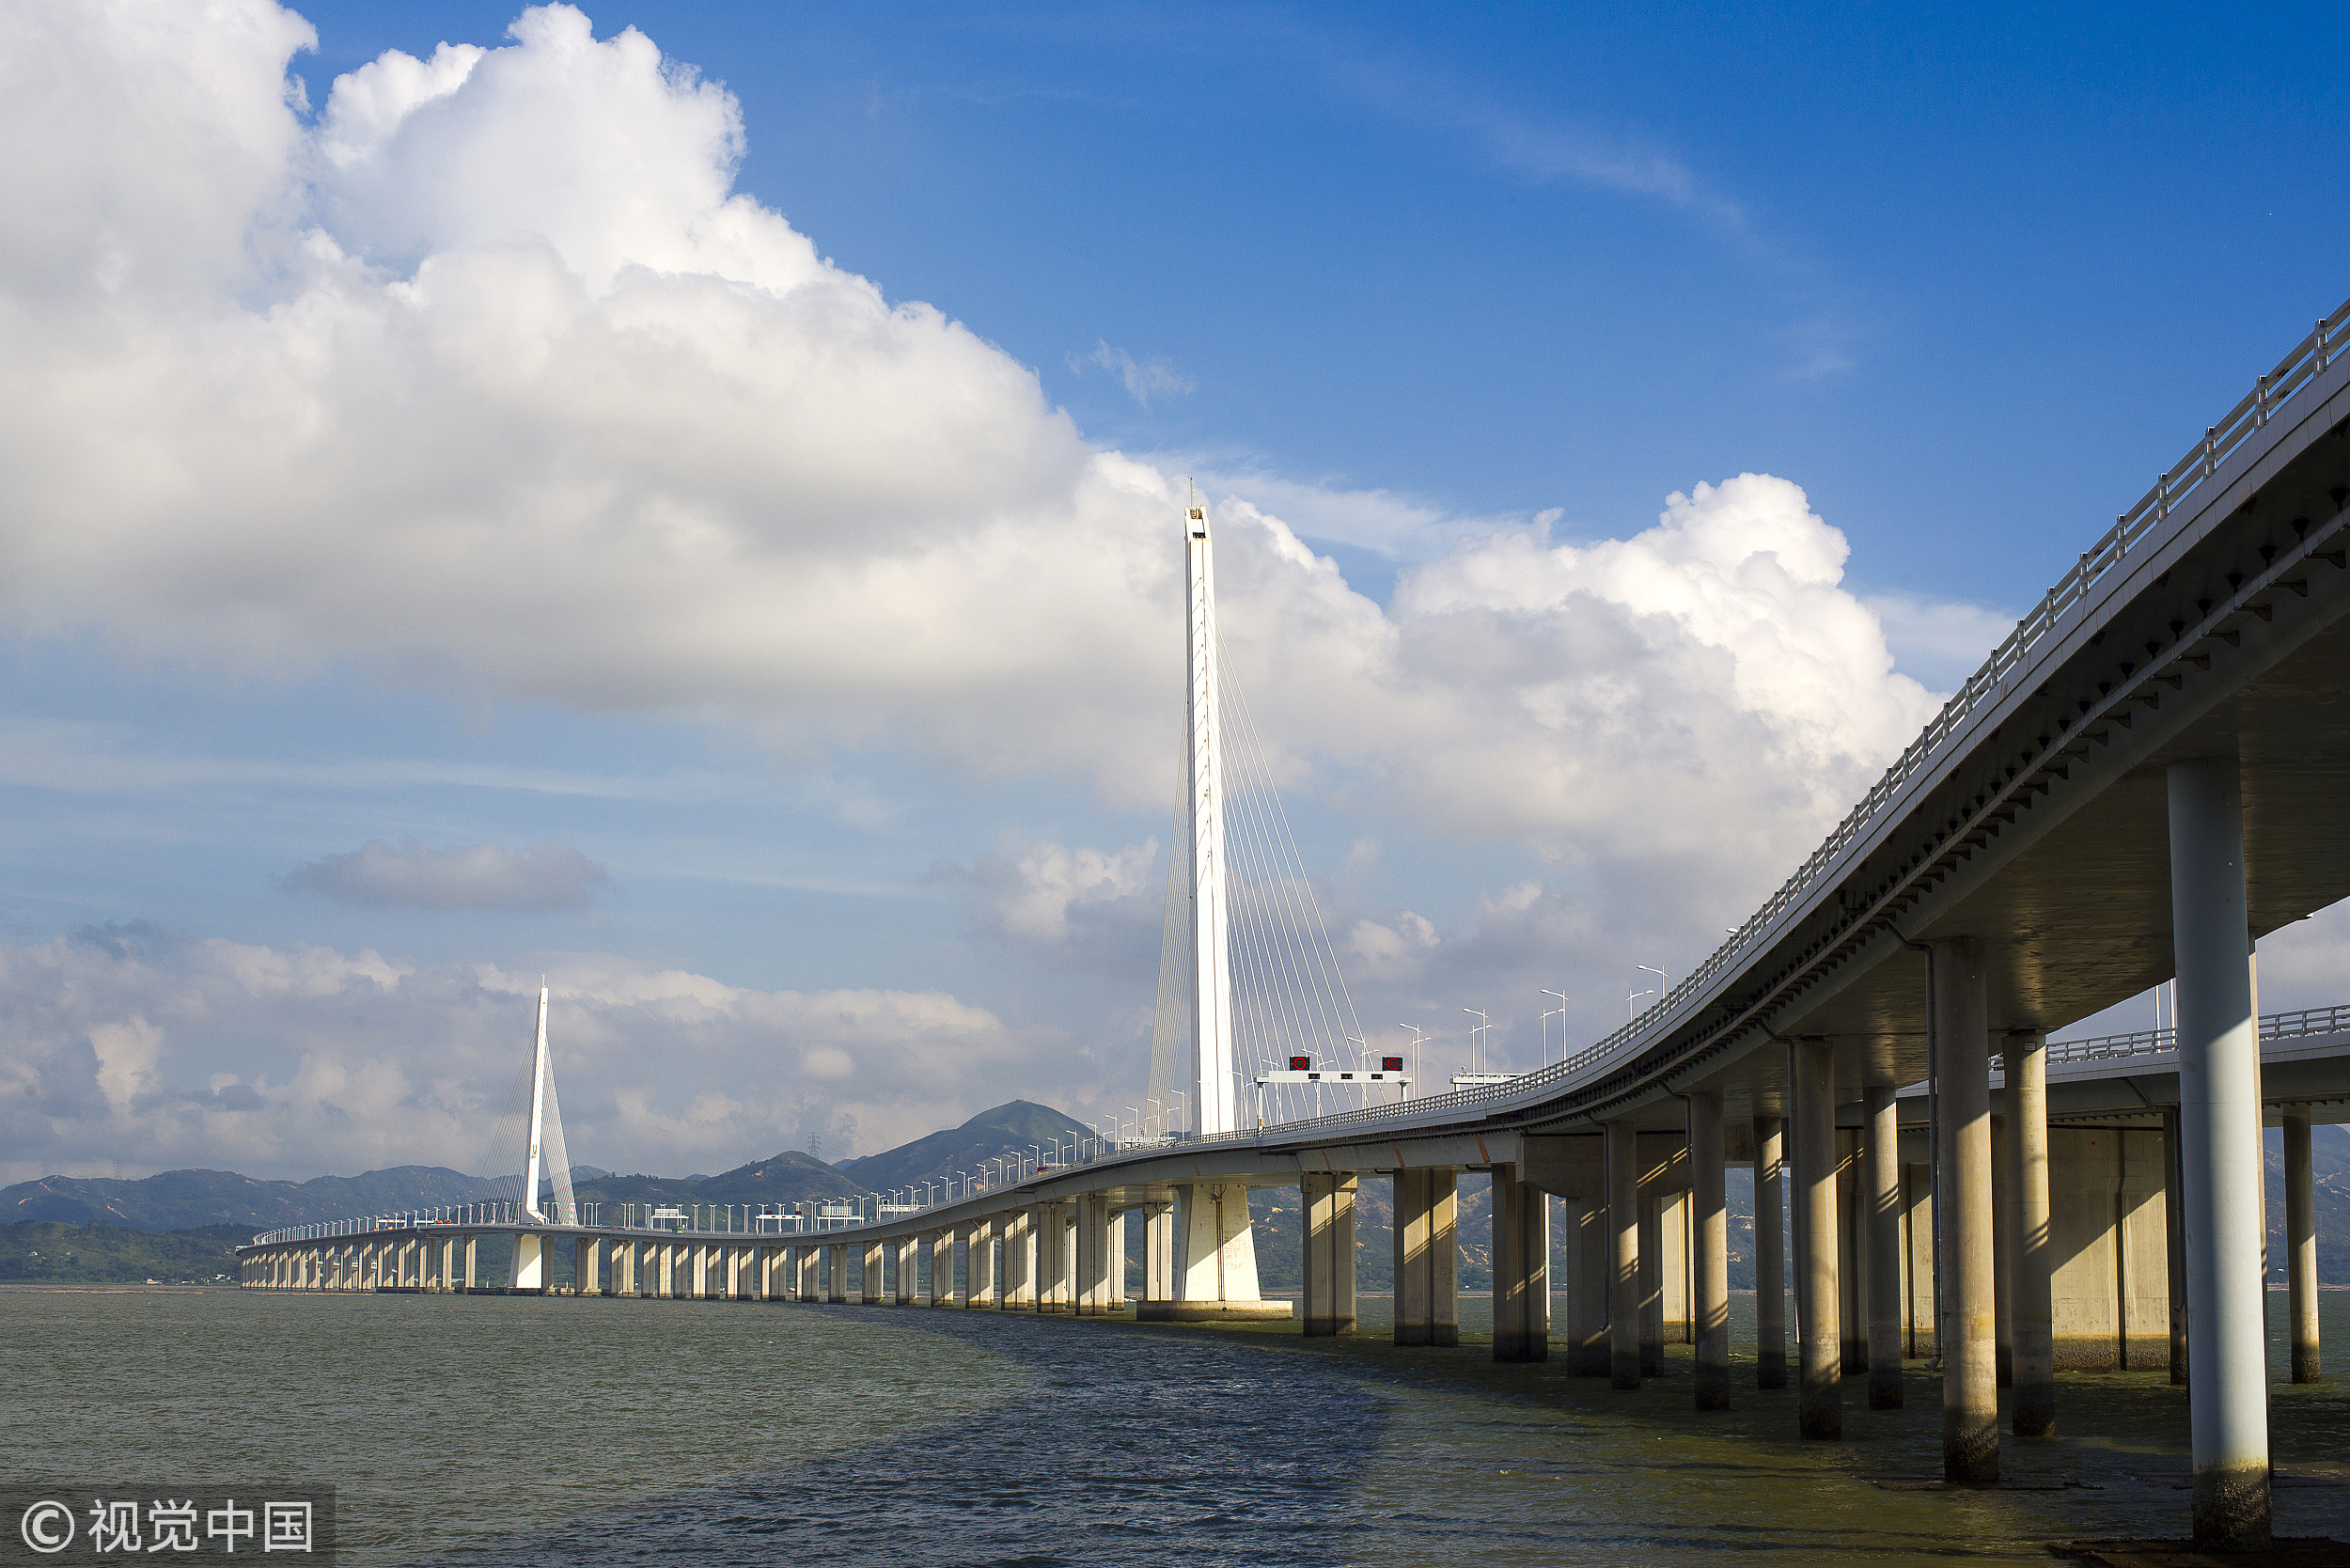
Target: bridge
[[2139, 783]]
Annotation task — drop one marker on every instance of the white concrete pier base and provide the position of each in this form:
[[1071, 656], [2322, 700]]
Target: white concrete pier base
[[529, 1270], [1215, 1259]]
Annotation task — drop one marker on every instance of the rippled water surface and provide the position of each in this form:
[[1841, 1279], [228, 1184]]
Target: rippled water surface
[[510, 1430]]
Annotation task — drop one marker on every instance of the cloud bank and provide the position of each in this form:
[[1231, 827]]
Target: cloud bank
[[476, 876], [485, 380], [284, 1063]]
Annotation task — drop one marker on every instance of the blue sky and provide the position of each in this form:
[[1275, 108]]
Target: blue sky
[[1969, 275], [1394, 277]]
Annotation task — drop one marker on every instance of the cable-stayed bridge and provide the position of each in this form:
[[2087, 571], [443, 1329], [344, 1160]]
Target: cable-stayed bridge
[[2142, 780]]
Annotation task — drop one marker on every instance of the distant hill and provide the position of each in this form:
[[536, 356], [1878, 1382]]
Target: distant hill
[[182, 1199], [1008, 1129], [37, 1250], [789, 1177]]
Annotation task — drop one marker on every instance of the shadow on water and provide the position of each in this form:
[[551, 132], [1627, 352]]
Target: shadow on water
[[478, 1430]]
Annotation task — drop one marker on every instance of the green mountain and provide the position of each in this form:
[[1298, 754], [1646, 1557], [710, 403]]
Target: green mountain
[[182, 1199], [789, 1177], [1010, 1128], [33, 1250]]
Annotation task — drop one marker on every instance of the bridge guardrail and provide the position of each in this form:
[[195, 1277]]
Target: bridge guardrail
[[2147, 1043]]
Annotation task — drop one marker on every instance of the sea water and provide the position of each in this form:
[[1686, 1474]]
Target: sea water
[[583, 1431]]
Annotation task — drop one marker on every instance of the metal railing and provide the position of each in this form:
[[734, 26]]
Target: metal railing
[[2148, 1042]]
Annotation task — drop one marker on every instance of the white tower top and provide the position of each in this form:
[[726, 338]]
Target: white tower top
[[1211, 1064], [538, 1114]]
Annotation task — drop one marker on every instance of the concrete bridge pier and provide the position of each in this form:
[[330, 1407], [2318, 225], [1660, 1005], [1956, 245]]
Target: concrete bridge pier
[[1652, 1274], [1019, 1293], [1050, 1226], [1427, 1256], [1770, 1252], [909, 1249], [2301, 1246], [2219, 1109], [1622, 1154], [1215, 1259], [1158, 1253], [1817, 1307], [837, 1274], [872, 1266], [1881, 1202], [982, 1285], [2031, 1249], [2174, 1240], [979, 1263], [1710, 1253], [1521, 1259], [1329, 1274], [527, 1271], [1590, 1248], [1062, 1276], [585, 1254], [1101, 1257], [1969, 1336], [942, 1267]]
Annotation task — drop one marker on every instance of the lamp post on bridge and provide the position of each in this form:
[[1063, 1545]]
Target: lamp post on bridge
[[1558, 1012]]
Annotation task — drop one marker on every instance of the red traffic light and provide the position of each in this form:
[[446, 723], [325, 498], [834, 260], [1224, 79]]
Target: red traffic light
[[1390, 1064], [1301, 1064]]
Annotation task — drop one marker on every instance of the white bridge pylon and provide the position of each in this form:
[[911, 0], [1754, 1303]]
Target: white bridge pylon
[[1244, 961], [1213, 1068], [544, 1162]]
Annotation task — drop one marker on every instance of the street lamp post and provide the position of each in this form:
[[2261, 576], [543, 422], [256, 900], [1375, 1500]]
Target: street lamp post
[[1476, 1045], [1558, 1012], [1419, 1035]]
